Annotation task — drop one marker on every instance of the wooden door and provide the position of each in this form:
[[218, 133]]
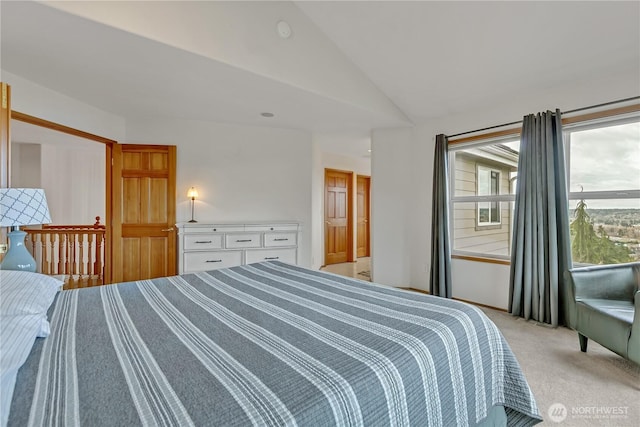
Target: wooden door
[[144, 203], [362, 224], [338, 242]]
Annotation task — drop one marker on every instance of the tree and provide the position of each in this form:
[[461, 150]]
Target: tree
[[591, 247]]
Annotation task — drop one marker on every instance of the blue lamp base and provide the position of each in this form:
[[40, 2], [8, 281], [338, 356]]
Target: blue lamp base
[[18, 257]]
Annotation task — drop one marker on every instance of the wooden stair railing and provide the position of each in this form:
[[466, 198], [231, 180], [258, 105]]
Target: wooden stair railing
[[73, 251]]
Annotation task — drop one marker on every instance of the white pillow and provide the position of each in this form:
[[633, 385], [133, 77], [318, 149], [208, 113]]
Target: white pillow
[[17, 335], [23, 292]]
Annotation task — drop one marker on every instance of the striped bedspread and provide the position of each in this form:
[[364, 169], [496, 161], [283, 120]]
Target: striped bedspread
[[267, 344]]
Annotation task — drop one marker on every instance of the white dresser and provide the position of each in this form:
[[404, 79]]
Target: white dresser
[[204, 247]]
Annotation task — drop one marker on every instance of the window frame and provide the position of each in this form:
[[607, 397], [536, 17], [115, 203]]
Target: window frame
[[504, 137], [498, 206], [595, 124], [602, 194]]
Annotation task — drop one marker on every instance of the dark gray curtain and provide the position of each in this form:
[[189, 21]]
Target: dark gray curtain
[[541, 249], [440, 282]]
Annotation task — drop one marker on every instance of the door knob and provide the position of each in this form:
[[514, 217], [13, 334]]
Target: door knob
[[167, 229]]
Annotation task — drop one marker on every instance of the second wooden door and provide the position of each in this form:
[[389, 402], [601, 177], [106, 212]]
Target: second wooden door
[[362, 227]]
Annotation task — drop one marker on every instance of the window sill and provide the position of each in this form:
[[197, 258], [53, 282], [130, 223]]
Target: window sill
[[482, 259], [492, 226]]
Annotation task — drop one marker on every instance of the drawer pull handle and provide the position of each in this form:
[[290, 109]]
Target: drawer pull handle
[[243, 240], [280, 240], [203, 241], [213, 260], [272, 257]]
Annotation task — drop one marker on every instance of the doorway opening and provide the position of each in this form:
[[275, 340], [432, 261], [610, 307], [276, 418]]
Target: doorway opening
[[347, 202], [72, 167]]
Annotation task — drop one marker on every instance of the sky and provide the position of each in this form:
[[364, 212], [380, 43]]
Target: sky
[[606, 159]]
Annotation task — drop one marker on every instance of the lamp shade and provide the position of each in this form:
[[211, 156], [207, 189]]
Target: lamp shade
[[23, 206], [192, 193]]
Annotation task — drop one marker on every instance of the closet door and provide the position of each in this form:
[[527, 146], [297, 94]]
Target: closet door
[[144, 217]]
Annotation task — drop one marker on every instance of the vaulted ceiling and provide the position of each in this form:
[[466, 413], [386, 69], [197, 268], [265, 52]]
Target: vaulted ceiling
[[346, 65]]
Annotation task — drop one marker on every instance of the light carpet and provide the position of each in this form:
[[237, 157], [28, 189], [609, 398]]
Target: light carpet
[[597, 388]]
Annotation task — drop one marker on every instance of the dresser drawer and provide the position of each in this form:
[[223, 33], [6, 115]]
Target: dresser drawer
[[202, 241], [203, 261], [272, 240], [272, 227], [209, 228], [244, 240], [259, 255]]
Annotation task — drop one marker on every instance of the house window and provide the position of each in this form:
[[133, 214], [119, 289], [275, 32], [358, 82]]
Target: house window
[[603, 174], [482, 177], [488, 180]]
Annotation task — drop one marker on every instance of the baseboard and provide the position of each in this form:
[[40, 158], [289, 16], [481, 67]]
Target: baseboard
[[481, 305], [422, 291]]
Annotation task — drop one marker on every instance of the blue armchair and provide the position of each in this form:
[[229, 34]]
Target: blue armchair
[[605, 307]]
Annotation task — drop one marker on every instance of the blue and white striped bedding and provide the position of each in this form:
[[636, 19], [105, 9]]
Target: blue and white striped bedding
[[267, 344]]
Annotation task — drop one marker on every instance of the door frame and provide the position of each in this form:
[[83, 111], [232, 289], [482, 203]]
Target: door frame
[[5, 136], [368, 216], [5, 152], [108, 143], [350, 234]]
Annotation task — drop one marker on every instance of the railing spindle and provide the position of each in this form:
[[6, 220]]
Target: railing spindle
[[61, 252]]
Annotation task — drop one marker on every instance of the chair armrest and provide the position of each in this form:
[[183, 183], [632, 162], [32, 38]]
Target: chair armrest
[[633, 350], [616, 281]]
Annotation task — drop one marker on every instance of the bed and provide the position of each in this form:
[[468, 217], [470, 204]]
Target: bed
[[267, 344]]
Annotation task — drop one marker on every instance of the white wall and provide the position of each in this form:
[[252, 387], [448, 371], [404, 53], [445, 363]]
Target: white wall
[[74, 182], [242, 173], [405, 261], [480, 282], [73, 178], [391, 189], [25, 165]]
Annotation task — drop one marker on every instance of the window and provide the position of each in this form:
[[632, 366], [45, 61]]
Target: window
[[603, 175], [483, 176], [488, 185]]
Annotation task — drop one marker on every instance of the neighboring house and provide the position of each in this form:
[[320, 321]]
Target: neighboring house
[[484, 227]]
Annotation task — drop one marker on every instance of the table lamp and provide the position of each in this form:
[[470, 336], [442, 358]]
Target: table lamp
[[192, 194], [21, 206]]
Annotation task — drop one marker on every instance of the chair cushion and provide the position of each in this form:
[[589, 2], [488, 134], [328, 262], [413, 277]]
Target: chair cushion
[[607, 322], [622, 310]]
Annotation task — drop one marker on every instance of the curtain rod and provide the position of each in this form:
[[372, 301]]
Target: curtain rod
[[604, 104]]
